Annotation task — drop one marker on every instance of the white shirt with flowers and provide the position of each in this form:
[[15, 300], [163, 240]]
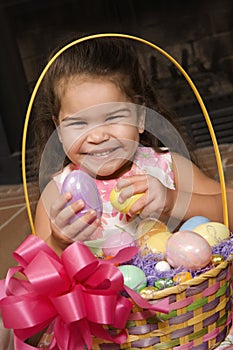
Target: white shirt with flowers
[[146, 161]]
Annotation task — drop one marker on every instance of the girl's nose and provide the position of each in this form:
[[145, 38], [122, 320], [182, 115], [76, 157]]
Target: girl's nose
[[98, 135]]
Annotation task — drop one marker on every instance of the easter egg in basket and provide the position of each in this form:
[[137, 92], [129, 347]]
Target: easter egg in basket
[[114, 243], [82, 186], [149, 227], [213, 232], [188, 249], [156, 243], [192, 222], [133, 276]]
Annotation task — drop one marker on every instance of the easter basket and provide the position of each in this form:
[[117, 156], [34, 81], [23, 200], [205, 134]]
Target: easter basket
[[199, 316]]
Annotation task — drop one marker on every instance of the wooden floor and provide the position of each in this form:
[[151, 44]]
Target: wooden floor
[[14, 223]]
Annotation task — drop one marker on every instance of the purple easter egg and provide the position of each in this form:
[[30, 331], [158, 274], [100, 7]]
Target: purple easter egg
[[82, 186]]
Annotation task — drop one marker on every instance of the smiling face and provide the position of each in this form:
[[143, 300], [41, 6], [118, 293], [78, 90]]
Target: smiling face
[[99, 126]]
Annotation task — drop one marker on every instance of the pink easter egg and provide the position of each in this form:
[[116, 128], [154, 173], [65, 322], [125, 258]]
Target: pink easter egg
[[187, 249], [114, 243]]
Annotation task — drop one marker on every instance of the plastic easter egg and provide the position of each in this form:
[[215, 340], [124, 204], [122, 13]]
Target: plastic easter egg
[[193, 222], [217, 259], [148, 292], [126, 205], [213, 232], [82, 186], [182, 277], [162, 266], [148, 227], [163, 283], [114, 243], [188, 249], [157, 242], [134, 277]]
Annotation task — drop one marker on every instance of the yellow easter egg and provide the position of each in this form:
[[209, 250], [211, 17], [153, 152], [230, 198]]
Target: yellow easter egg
[[149, 224], [126, 205], [182, 277], [147, 228], [213, 232], [156, 243]]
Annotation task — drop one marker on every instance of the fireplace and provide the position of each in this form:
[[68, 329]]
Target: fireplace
[[198, 34]]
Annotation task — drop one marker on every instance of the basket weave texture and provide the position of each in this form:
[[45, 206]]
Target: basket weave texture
[[199, 316]]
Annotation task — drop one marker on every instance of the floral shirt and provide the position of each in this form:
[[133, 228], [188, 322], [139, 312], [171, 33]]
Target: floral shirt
[[146, 161]]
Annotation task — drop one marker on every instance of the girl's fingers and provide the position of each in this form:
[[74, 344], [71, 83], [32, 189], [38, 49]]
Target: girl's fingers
[[61, 214], [130, 180], [64, 215], [129, 191], [87, 232], [138, 206], [83, 227], [59, 204]]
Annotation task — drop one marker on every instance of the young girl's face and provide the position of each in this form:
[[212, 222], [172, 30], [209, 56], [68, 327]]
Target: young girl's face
[[99, 127]]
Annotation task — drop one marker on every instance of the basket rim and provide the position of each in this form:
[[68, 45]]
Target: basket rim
[[181, 287]]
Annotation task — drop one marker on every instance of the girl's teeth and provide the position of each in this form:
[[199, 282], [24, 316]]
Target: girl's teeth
[[100, 154]]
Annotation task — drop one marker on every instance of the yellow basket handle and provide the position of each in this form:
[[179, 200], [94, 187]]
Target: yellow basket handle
[[184, 73]]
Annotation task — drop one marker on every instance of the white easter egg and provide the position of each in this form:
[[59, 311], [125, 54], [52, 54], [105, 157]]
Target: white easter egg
[[162, 266]]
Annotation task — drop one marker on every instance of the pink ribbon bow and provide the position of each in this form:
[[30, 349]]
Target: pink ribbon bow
[[78, 292]]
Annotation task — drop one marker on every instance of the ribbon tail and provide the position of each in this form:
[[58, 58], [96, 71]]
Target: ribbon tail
[[62, 334], [73, 336], [160, 306], [125, 254], [122, 312], [83, 331]]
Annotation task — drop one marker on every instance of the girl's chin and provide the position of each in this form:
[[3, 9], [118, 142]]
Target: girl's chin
[[101, 173], [111, 169], [109, 172]]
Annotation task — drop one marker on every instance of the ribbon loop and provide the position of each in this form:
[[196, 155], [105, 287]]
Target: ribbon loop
[[78, 292], [70, 306]]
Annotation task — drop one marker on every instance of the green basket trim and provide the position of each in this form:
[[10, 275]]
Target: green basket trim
[[165, 317], [222, 290], [221, 320], [198, 334], [168, 345], [130, 323], [197, 304]]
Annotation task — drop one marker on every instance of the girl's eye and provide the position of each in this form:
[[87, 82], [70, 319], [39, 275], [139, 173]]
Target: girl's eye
[[114, 118], [78, 124]]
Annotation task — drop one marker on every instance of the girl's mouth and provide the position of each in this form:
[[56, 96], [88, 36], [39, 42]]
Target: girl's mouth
[[102, 153]]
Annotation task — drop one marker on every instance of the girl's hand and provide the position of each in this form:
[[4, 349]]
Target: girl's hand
[[65, 232], [157, 199]]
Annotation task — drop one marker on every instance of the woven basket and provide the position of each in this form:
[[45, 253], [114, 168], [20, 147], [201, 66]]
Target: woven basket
[[200, 309], [199, 316]]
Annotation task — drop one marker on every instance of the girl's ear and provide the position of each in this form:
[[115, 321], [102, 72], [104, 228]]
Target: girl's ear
[[56, 123], [141, 120]]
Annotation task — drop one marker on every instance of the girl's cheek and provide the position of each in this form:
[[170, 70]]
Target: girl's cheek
[[71, 145]]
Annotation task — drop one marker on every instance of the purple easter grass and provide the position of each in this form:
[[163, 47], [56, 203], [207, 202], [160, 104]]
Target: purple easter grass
[[148, 261]]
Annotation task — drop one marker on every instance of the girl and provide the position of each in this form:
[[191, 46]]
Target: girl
[[97, 96]]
